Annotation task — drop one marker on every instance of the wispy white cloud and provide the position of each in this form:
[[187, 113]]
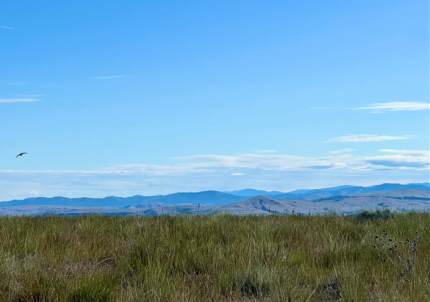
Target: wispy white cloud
[[217, 172], [212, 164], [266, 151], [341, 151], [148, 169], [108, 77], [127, 169], [258, 161], [407, 152], [365, 138], [7, 27], [402, 159], [18, 100], [396, 106]]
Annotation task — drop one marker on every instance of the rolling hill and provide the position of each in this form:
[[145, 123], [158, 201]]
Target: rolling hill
[[348, 190], [396, 199]]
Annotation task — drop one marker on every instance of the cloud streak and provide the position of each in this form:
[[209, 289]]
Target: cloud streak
[[403, 159], [7, 27], [341, 151], [396, 106], [213, 164], [18, 100], [398, 158], [220, 172], [366, 138], [266, 151]]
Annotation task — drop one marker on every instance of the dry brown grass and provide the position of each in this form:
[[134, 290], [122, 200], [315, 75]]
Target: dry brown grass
[[209, 258]]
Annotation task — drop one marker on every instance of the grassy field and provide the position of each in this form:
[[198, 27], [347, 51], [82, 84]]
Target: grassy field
[[208, 258]]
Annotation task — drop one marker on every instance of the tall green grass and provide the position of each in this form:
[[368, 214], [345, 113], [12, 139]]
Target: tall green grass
[[207, 258]]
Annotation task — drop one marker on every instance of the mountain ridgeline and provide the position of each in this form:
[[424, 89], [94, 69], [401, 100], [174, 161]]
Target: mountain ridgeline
[[346, 199], [204, 198], [313, 195]]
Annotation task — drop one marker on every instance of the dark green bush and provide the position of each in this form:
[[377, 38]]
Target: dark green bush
[[377, 215]]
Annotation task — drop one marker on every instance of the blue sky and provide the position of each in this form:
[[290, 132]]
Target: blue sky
[[155, 97]]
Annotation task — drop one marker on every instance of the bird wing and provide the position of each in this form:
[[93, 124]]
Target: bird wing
[[21, 154]]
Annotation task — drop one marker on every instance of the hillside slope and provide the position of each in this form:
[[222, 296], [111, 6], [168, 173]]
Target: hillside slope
[[348, 190]]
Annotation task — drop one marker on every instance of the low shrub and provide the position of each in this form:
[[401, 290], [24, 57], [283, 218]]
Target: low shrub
[[377, 215]]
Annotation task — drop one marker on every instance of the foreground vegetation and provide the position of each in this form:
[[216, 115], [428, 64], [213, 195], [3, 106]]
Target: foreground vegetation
[[209, 258]]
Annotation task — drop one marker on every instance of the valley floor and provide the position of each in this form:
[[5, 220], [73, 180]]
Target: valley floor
[[209, 258]]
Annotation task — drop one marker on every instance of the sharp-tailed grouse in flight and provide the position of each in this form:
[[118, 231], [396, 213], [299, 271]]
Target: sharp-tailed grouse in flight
[[21, 154]]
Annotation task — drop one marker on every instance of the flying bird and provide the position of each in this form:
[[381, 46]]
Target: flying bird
[[21, 154]]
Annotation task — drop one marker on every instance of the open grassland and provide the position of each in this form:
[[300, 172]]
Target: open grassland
[[208, 258]]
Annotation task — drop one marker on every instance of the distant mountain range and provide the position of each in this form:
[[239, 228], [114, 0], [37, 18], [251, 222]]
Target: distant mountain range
[[204, 198], [327, 192], [252, 192], [344, 198], [347, 190], [264, 205]]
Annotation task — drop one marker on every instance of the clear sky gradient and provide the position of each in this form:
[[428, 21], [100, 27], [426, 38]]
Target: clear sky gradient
[[154, 97]]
